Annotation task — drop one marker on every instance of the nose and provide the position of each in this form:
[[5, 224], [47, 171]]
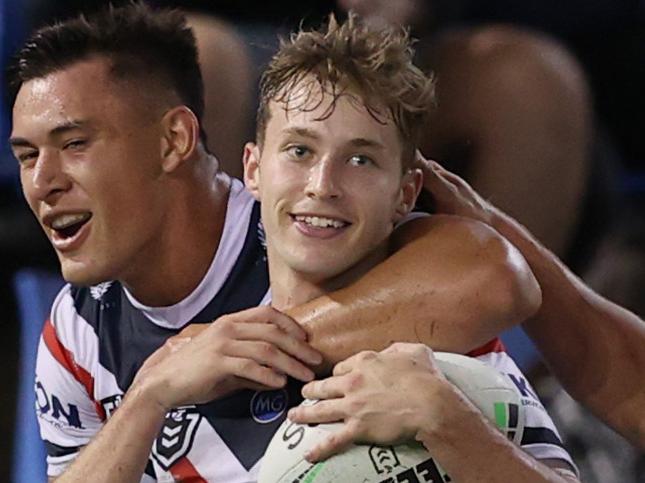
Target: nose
[[323, 181], [47, 179]]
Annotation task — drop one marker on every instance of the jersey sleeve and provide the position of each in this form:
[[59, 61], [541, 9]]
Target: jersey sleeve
[[540, 437], [68, 416]]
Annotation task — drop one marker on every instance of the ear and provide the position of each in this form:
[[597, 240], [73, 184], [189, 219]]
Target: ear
[[411, 184], [252, 169], [180, 137]]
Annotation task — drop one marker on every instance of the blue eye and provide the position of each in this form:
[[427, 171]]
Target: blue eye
[[360, 160]]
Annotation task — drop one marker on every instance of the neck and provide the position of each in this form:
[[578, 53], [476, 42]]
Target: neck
[[177, 260], [290, 288]]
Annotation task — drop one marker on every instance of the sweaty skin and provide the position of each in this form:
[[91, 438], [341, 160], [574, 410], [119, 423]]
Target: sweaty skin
[[593, 346]]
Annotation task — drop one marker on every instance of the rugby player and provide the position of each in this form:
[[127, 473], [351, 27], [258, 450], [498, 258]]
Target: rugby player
[[153, 238], [333, 167]]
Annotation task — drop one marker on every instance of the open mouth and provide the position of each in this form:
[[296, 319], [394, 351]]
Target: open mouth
[[67, 226], [320, 221]]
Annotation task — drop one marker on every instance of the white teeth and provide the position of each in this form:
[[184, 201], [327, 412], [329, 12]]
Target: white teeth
[[64, 221], [320, 222]]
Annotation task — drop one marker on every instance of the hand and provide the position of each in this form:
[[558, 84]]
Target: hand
[[451, 194], [252, 349], [383, 398]]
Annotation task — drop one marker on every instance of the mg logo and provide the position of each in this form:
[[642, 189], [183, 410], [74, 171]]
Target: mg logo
[[267, 406]]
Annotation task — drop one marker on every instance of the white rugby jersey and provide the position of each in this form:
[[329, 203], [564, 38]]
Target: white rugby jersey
[[97, 338]]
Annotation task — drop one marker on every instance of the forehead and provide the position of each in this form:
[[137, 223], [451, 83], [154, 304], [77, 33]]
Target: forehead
[[82, 90], [340, 115]]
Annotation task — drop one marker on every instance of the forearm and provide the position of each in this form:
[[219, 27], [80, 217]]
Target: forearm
[[469, 448], [119, 452], [594, 347], [451, 286]]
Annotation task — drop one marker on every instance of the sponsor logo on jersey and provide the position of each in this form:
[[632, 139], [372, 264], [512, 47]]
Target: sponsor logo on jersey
[[267, 406], [49, 406], [523, 386], [176, 436]]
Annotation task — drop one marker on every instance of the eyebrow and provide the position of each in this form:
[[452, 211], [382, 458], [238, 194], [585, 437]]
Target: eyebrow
[[356, 142], [59, 130], [302, 131], [366, 143]]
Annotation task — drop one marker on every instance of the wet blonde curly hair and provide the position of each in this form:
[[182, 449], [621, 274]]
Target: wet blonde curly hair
[[374, 62]]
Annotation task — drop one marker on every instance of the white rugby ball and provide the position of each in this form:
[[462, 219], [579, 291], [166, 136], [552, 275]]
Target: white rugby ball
[[492, 392]]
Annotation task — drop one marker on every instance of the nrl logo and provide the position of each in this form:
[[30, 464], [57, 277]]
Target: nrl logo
[[176, 437]]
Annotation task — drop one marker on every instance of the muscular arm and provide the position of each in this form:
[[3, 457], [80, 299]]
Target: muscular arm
[[593, 346], [119, 452], [452, 284], [491, 456]]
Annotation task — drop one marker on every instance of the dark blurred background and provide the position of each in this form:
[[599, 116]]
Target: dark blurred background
[[598, 227]]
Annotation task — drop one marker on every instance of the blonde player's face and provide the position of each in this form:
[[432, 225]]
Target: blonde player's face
[[89, 162], [331, 187]]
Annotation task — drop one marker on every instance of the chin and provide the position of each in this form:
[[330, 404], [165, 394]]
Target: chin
[[322, 269], [80, 274]]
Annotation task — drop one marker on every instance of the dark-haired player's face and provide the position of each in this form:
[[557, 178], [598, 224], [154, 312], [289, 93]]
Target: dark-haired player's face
[[89, 165]]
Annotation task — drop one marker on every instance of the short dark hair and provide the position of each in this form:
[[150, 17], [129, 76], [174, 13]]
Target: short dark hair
[[140, 43], [375, 62]]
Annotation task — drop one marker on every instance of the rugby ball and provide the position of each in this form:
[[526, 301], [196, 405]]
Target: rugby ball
[[489, 390]]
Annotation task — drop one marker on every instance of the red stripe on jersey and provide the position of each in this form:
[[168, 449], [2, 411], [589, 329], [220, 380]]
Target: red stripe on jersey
[[184, 471], [66, 359], [493, 345]]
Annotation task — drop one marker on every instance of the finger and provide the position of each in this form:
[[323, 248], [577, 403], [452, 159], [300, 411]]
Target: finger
[[274, 335], [335, 443], [266, 314], [329, 388], [267, 354], [250, 370], [420, 160], [349, 364], [329, 411]]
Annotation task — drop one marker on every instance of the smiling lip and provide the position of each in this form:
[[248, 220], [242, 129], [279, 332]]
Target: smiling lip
[[320, 232], [67, 244]]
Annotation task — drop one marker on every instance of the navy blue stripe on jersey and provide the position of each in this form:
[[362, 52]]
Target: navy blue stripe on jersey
[[126, 336], [248, 281], [55, 450], [540, 436], [230, 418], [513, 415], [150, 469]]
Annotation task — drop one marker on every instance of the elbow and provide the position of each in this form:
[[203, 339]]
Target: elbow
[[515, 292]]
